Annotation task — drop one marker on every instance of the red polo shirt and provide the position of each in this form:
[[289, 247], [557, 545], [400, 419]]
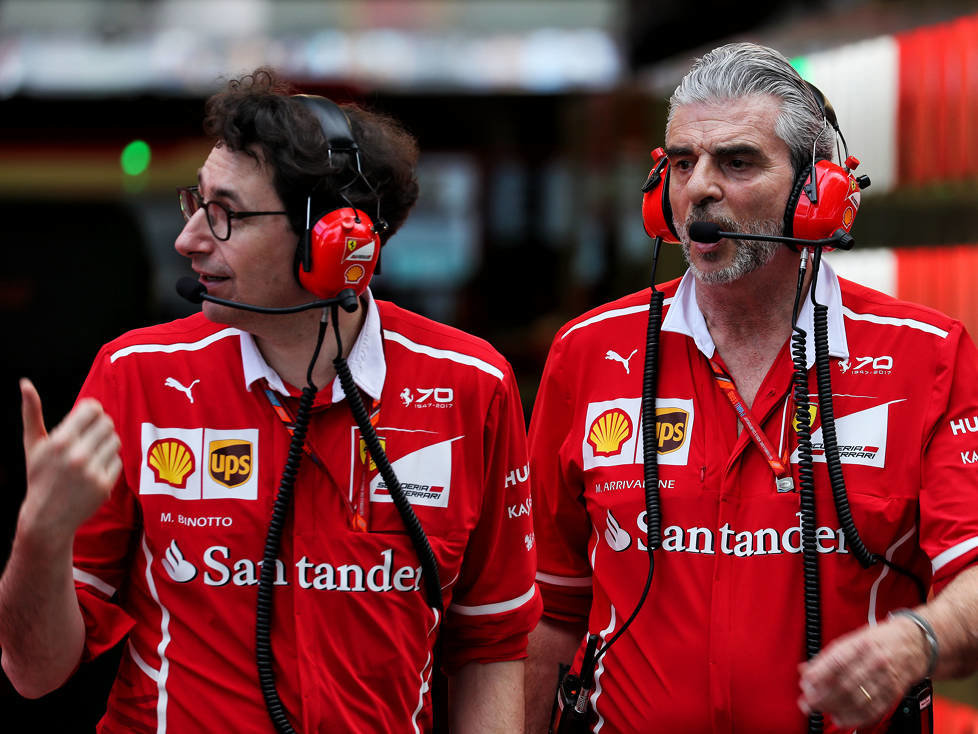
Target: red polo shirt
[[179, 543], [716, 645]]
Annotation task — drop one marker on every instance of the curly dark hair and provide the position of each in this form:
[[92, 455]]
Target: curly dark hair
[[257, 112]]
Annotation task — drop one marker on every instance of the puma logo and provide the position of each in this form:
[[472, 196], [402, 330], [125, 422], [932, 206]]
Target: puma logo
[[613, 355], [175, 384]]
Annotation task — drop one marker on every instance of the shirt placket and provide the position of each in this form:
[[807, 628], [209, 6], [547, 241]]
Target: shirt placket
[[721, 669]]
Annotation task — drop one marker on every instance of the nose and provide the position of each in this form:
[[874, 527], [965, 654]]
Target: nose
[[703, 185], [195, 237]]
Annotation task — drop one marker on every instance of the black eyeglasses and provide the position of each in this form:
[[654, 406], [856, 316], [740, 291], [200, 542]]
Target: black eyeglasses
[[218, 215]]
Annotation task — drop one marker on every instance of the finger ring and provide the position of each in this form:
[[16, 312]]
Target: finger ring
[[866, 694]]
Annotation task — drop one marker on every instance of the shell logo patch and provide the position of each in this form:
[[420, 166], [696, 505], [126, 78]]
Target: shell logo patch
[[172, 461], [230, 461], [354, 274], [609, 431]]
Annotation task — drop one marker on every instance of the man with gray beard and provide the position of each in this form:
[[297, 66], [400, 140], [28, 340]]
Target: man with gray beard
[[772, 599], [749, 256]]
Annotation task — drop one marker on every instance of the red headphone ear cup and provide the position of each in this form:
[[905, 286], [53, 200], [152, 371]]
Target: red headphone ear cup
[[836, 204], [656, 209], [344, 252]]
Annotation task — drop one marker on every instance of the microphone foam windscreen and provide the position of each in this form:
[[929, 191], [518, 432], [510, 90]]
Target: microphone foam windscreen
[[191, 289], [704, 231]]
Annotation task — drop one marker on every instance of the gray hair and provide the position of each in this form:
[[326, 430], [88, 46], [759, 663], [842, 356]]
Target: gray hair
[[742, 69]]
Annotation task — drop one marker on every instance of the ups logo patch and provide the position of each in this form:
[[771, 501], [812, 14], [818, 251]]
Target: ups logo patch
[[670, 429], [229, 461]]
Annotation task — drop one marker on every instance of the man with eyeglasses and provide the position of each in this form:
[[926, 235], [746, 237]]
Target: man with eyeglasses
[[147, 507]]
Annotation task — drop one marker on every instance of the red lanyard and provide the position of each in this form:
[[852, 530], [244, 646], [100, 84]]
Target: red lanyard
[[358, 514], [779, 464]]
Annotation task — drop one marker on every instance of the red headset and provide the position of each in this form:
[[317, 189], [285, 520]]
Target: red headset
[[828, 204], [340, 248]]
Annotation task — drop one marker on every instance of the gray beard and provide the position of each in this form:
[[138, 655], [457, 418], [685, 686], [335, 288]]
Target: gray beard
[[749, 256]]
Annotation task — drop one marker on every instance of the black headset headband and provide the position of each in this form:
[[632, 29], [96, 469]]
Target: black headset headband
[[332, 120]]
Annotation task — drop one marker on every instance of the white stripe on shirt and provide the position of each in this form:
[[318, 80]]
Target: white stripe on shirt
[[953, 552], [87, 578], [164, 671], [170, 348], [892, 321], [614, 313], [563, 580], [497, 608], [443, 354]]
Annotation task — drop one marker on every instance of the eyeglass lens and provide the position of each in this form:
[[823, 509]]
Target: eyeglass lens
[[217, 216]]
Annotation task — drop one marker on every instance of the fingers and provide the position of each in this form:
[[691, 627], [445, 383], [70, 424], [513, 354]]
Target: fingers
[[72, 470], [858, 678], [105, 460], [30, 411]]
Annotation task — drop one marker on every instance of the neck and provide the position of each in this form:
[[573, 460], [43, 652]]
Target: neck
[[750, 319], [287, 344], [756, 304]]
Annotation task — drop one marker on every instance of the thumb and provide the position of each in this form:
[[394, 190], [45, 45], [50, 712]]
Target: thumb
[[30, 410]]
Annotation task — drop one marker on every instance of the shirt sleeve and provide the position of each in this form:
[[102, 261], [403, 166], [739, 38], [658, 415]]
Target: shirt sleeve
[[559, 514], [104, 543], [495, 602], [949, 485]]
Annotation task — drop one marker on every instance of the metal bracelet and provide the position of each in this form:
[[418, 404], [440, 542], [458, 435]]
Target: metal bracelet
[[929, 635]]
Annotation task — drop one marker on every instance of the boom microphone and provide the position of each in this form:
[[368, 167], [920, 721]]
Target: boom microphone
[[196, 292], [711, 232]]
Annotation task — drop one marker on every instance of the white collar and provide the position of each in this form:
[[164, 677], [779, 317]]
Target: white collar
[[685, 317], [366, 360]]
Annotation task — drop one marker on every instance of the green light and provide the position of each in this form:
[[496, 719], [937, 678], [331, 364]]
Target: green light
[[801, 65], [135, 158]]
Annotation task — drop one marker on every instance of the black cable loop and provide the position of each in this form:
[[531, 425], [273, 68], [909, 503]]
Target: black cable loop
[[833, 461], [650, 443], [830, 441], [806, 493], [273, 542], [806, 496], [429, 567]]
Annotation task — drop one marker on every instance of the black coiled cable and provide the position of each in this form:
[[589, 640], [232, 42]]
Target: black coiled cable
[[833, 462], [832, 459], [429, 568], [650, 443], [273, 541], [283, 501], [806, 492]]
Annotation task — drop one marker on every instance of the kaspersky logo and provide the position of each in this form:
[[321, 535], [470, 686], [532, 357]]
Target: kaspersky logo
[[614, 431]]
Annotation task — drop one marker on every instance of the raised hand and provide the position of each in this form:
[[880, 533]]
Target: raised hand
[[72, 469]]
